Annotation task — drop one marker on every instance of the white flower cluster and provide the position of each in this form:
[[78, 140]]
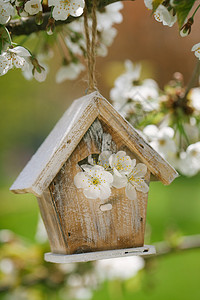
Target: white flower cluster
[[111, 170], [130, 94], [71, 41], [60, 9], [176, 138], [165, 142]]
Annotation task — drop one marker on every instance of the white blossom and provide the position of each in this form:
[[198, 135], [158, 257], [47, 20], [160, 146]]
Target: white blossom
[[145, 94], [94, 181], [164, 16], [70, 71], [40, 75], [119, 268], [161, 139], [189, 161], [194, 96], [109, 16], [6, 11], [106, 38], [124, 83], [196, 50], [148, 4], [33, 7], [103, 160], [132, 181], [13, 58], [121, 163], [63, 8]]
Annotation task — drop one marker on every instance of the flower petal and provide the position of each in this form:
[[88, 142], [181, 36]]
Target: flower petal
[[141, 186], [108, 177], [119, 181], [92, 192], [81, 180], [105, 192], [140, 170], [131, 192]]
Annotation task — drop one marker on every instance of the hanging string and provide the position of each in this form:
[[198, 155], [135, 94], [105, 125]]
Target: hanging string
[[91, 46]]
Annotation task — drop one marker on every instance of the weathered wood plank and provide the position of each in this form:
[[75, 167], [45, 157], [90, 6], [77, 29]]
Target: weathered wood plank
[[51, 222]]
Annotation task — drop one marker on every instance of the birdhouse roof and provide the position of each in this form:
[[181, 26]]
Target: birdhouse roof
[[68, 132]]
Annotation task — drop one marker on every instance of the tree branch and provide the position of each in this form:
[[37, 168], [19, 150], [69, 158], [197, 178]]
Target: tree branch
[[27, 26], [185, 243]]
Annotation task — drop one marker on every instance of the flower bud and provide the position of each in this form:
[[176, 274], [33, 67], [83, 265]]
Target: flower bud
[[39, 18], [50, 26], [38, 71], [186, 28]]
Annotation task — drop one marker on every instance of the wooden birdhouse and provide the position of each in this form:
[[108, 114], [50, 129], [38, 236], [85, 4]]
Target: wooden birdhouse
[[94, 219]]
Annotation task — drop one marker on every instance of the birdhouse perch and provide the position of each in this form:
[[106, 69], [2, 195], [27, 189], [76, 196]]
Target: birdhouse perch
[[80, 228]]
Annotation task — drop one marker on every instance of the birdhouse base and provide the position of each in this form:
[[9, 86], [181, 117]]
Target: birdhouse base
[[84, 257]]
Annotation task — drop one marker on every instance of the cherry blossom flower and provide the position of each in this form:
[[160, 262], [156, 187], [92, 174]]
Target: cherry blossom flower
[[119, 268], [62, 9], [34, 69], [148, 4], [103, 160], [163, 15], [106, 38], [13, 58], [32, 7], [161, 139], [194, 96], [95, 182], [196, 50], [40, 75], [121, 163], [189, 161], [111, 15], [70, 71], [136, 181], [6, 11], [124, 83], [132, 181]]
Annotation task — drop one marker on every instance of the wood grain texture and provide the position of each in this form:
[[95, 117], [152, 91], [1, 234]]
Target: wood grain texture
[[52, 224], [66, 135], [84, 257], [85, 226]]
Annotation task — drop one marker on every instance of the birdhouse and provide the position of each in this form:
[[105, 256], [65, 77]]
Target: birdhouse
[[91, 178]]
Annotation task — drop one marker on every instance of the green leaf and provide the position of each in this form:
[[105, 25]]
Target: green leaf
[[156, 3], [182, 8]]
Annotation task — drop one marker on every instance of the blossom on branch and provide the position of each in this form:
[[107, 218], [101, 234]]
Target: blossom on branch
[[13, 58], [63, 8], [32, 7]]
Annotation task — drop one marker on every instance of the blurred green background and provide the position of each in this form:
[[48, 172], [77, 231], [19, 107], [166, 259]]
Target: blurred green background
[[28, 112]]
